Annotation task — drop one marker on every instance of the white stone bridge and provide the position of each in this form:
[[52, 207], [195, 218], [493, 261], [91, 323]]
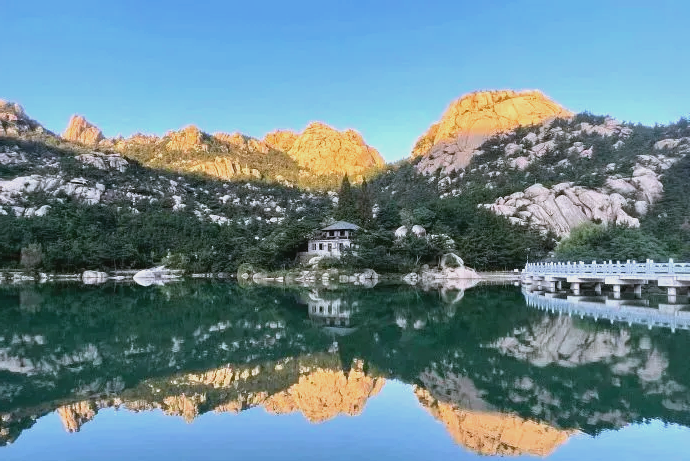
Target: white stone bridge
[[670, 275], [614, 310]]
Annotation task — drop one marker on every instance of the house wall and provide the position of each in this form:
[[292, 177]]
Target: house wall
[[320, 247]]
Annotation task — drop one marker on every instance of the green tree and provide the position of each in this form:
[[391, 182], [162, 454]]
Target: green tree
[[347, 204]]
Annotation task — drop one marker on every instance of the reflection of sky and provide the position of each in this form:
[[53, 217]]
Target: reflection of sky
[[393, 426]]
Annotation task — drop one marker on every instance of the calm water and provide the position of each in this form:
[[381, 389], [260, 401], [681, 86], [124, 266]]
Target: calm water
[[215, 371]]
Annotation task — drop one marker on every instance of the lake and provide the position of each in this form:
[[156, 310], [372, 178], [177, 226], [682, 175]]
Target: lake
[[214, 371]]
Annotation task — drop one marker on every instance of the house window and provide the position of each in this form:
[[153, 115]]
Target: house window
[[330, 247], [313, 246], [341, 246], [320, 246], [343, 233]]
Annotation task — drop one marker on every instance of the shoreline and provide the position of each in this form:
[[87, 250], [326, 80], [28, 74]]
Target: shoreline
[[302, 277]]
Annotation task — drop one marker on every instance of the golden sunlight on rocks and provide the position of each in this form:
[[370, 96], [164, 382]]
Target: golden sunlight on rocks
[[81, 131], [474, 118], [324, 150], [490, 433]]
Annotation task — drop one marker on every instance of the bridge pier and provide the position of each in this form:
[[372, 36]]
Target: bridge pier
[[638, 290], [597, 288], [672, 292], [617, 291], [575, 287]]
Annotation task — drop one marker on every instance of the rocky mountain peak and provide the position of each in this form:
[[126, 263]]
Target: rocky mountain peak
[[81, 131], [243, 142], [323, 149], [187, 139], [15, 122], [281, 140], [475, 117]]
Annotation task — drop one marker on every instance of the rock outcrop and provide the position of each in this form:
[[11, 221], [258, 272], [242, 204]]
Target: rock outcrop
[[281, 140], [225, 168], [324, 150], [243, 142], [469, 121], [187, 139], [562, 207], [15, 122], [79, 130], [494, 434]]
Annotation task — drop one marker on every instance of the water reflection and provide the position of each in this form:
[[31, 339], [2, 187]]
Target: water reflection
[[502, 378]]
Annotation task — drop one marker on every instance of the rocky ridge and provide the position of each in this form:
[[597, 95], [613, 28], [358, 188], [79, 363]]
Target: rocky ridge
[[450, 143], [318, 150]]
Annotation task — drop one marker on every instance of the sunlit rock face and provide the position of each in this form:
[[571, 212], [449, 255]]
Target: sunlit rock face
[[281, 140], [475, 117], [81, 131], [243, 142], [323, 394], [493, 434], [225, 168], [324, 150]]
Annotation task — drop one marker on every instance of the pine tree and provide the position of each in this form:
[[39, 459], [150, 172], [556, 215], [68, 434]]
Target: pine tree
[[365, 205], [347, 206]]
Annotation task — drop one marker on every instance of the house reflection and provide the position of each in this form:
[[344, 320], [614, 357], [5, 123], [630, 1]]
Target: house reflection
[[334, 314]]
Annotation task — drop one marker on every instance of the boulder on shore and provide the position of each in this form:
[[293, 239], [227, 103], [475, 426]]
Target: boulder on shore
[[93, 277], [157, 275]]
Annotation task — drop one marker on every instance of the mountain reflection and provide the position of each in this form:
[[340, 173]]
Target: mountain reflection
[[502, 377]]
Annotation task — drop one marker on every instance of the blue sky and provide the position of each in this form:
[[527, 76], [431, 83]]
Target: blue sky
[[386, 68]]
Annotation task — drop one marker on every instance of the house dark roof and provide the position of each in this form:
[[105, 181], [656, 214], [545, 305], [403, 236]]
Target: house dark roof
[[341, 225]]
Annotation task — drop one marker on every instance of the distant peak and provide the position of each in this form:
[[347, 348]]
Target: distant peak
[[82, 131], [474, 117]]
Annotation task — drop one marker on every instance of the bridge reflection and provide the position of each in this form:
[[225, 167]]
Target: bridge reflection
[[632, 311]]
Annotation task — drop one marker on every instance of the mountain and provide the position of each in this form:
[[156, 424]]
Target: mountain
[[450, 143], [101, 198], [319, 151], [323, 149], [504, 176]]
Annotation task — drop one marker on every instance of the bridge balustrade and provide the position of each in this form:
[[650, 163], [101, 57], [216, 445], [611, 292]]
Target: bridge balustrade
[[649, 269]]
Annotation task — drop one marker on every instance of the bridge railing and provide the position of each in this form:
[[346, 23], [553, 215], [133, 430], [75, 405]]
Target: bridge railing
[[648, 268]]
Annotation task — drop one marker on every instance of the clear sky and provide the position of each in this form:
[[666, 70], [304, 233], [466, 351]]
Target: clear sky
[[387, 68]]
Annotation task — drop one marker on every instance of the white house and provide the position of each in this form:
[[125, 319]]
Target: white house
[[332, 240]]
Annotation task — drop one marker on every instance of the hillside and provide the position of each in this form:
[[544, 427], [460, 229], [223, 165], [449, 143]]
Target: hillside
[[94, 207]]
